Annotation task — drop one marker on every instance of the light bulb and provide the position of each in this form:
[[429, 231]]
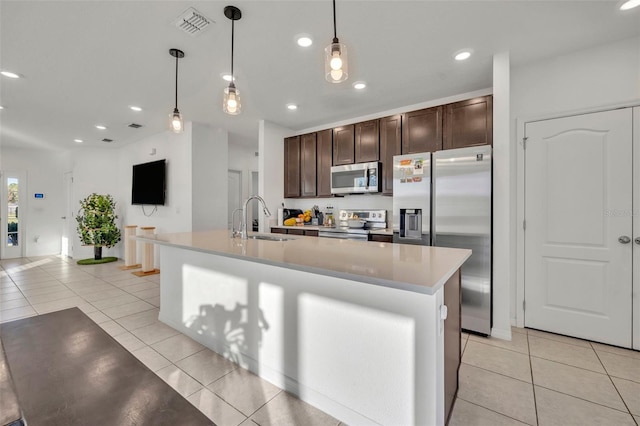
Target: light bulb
[[336, 61], [231, 103], [176, 124]]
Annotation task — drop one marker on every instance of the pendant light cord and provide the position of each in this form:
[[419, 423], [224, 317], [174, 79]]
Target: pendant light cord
[[335, 34], [177, 81], [232, 37]]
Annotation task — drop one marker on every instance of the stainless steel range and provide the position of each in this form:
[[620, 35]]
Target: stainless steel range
[[356, 224]]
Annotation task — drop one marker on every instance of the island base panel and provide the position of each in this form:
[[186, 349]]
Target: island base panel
[[363, 353]]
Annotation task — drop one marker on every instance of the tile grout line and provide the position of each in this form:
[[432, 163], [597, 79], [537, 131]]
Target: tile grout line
[[586, 400], [500, 347], [533, 385], [494, 411], [495, 372], [568, 365], [613, 383]]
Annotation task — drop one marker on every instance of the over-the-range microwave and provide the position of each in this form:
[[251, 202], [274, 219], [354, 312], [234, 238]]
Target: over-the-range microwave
[[358, 178]]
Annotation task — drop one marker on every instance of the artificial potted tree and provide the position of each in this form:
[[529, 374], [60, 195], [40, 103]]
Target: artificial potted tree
[[97, 225]]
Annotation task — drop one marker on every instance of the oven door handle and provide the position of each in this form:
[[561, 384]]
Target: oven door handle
[[344, 236]]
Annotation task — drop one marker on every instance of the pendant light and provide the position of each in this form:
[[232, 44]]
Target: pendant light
[[176, 124], [336, 69], [231, 103]]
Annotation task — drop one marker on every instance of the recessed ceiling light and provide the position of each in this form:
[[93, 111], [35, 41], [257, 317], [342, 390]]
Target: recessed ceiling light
[[359, 85], [78, 140], [101, 127], [135, 108], [304, 41], [10, 74], [630, 4], [462, 55], [1, 107], [226, 76], [292, 107]]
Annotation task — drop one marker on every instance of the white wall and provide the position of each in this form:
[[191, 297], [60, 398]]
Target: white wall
[[176, 214], [94, 170], [44, 170], [209, 164], [271, 169], [244, 159], [589, 79]]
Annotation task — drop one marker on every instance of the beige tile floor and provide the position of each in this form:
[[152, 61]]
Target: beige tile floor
[[537, 378]]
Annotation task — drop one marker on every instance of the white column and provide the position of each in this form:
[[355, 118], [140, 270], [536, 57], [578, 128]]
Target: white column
[[503, 214]]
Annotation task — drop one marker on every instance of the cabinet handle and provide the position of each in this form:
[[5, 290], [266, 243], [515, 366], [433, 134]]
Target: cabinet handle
[[624, 239]]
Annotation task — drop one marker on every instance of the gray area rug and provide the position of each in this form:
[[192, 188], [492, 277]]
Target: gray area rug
[[69, 371]]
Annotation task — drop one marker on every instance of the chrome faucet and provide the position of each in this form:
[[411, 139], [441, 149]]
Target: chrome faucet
[[243, 225]]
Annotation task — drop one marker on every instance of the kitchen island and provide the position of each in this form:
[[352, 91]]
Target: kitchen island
[[354, 328]]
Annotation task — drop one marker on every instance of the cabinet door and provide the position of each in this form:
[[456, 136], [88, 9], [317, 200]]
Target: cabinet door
[[343, 145], [468, 123], [367, 141], [308, 165], [292, 167], [422, 131], [390, 140], [324, 162]]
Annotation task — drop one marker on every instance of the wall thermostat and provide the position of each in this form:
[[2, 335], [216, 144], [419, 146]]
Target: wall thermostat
[[38, 196]]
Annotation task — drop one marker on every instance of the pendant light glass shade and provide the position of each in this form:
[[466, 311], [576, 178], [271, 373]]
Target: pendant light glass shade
[[336, 65], [231, 100], [231, 104], [176, 124]]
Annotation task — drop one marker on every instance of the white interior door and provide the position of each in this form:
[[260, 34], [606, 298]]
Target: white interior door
[[636, 228], [234, 194], [578, 203], [14, 210]]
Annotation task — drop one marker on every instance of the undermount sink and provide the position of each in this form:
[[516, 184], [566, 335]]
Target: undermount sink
[[269, 238]]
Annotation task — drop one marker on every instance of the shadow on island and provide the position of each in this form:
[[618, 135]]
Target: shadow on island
[[236, 332]]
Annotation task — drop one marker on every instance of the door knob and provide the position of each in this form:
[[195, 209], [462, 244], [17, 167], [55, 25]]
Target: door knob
[[637, 240], [624, 239]]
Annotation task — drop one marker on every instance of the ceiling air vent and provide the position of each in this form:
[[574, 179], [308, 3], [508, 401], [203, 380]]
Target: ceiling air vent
[[107, 140], [135, 125], [192, 22]]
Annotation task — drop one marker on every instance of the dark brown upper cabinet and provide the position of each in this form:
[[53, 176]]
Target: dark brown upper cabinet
[[343, 145], [468, 123], [367, 141], [390, 145], [324, 142], [292, 167], [308, 165], [422, 130]]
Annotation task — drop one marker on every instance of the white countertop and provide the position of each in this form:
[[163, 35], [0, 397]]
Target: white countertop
[[420, 269]]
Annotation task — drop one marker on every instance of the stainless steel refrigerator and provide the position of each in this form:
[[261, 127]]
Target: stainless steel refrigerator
[[444, 199]]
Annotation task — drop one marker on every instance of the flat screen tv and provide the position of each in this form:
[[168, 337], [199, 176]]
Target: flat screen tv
[[148, 184]]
